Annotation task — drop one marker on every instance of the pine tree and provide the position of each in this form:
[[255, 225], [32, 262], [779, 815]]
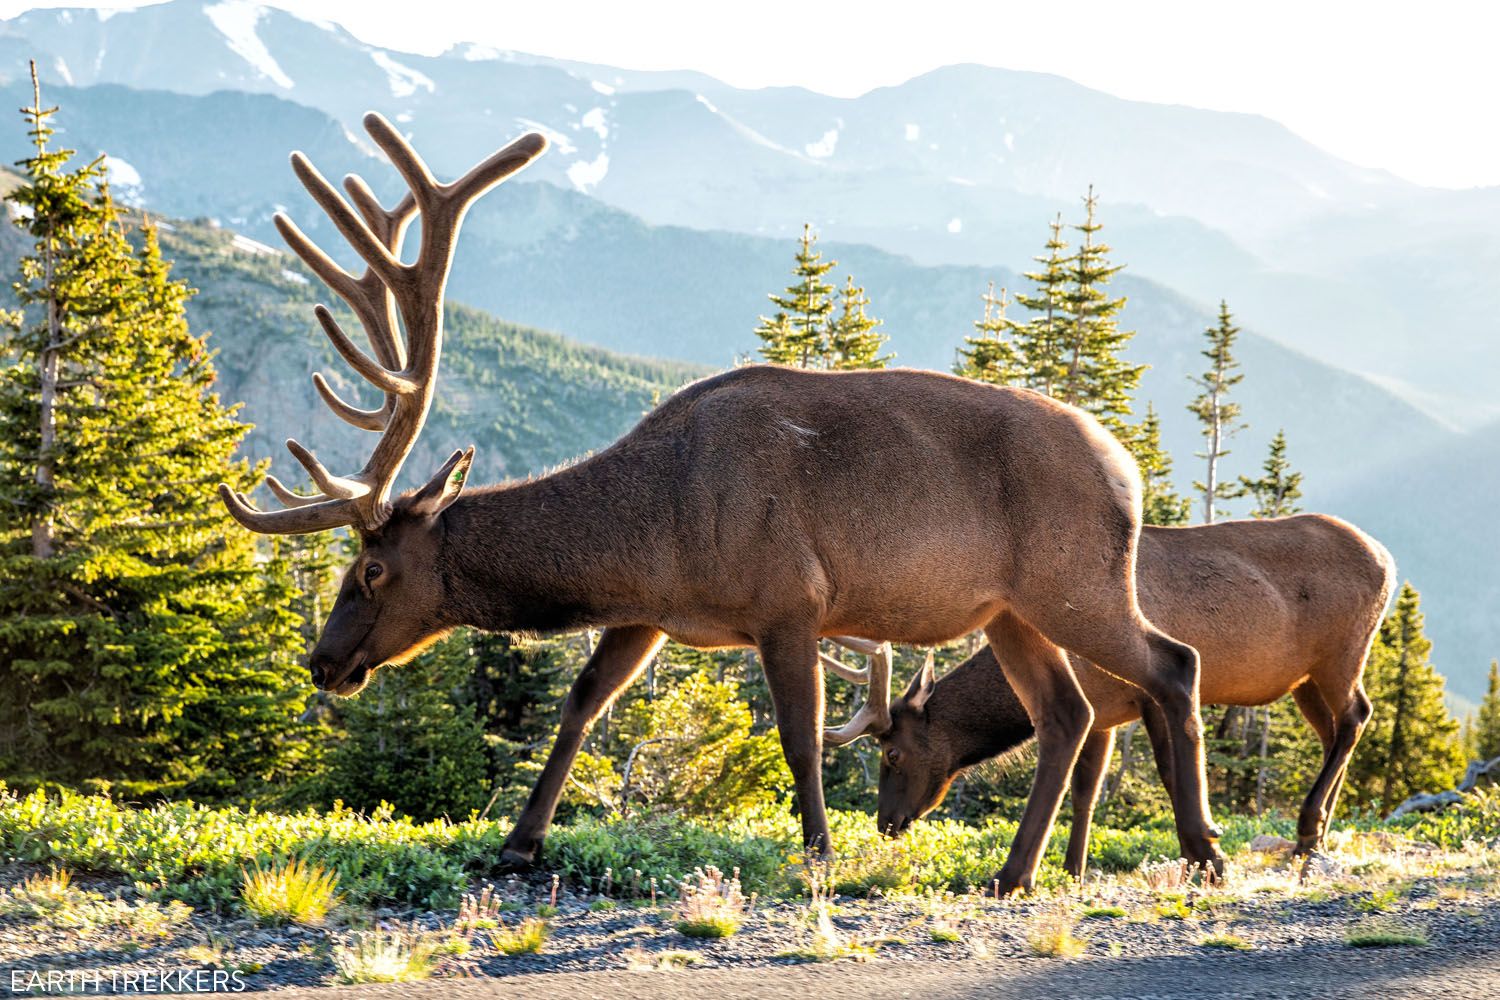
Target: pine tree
[[1160, 503], [141, 645], [1411, 744], [797, 334], [1095, 377], [1214, 410], [1278, 489], [854, 339], [989, 355], [1039, 356], [1487, 725]]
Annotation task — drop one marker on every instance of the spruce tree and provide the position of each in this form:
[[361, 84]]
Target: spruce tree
[[1039, 355], [1487, 725], [141, 645], [1411, 743], [1094, 375], [1277, 490], [1160, 503], [797, 333], [854, 339], [989, 355], [1213, 408]]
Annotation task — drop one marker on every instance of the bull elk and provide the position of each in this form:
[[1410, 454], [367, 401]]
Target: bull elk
[[750, 508], [1290, 604]]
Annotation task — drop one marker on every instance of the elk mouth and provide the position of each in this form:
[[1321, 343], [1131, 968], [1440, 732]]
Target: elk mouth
[[355, 680]]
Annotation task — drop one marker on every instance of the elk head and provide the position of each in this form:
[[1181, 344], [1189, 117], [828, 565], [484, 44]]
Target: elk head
[[914, 773], [388, 604]]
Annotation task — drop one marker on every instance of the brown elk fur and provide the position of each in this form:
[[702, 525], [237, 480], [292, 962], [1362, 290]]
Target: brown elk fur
[[1272, 606], [748, 509], [764, 506]]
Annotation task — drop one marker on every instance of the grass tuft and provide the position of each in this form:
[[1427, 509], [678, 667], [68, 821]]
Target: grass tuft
[[526, 938], [296, 892], [1103, 913], [1384, 933], [710, 905], [385, 957], [1053, 938]]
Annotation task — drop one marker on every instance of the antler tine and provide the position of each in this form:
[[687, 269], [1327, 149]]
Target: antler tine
[[300, 520], [851, 674], [405, 373], [874, 716]]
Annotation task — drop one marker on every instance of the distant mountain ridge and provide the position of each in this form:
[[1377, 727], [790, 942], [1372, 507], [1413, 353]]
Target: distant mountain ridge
[[962, 165], [708, 165]]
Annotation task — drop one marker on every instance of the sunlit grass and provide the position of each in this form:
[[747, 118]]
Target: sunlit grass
[[526, 938], [385, 957], [295, 892]]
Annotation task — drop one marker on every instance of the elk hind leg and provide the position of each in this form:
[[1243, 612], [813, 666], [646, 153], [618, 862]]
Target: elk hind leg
[[1088, 778], [1349, 710]]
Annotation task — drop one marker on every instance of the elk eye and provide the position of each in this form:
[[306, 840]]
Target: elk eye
[[372, 572], [892, 755]]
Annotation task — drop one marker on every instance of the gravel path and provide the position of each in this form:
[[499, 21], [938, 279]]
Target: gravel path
[[1140, 942]]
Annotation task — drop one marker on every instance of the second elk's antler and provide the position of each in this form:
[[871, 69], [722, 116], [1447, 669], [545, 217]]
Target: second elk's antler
[[405, 372], [874, 716]]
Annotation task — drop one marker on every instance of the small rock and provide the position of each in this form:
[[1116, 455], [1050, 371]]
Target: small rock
[[1269, 843]]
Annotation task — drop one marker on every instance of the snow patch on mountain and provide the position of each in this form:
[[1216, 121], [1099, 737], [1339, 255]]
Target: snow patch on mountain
[[254, 248], [586, 174], [913, 131], [402, 79], [474, 52], [556, 139], [602, 88], [824, 147], [124, 180], [744, 130], [236, 21], [61, 66], [596, 120], [955, 225]]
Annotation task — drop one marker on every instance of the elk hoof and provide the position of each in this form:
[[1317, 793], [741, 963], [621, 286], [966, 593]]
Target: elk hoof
[[1003, 885], [1307, 846], [515, 859]]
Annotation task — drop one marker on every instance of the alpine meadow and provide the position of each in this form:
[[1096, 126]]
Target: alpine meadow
[[578, 527]]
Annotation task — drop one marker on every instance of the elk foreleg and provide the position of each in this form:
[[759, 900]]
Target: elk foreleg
[[619, 658], [1088, 778], [1039, 672], [795, 677]]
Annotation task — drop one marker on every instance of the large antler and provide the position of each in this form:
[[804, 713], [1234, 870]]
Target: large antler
[[874, 716], [405, 373]]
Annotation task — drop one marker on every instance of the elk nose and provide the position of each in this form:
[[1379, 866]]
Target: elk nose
[[318, 666]]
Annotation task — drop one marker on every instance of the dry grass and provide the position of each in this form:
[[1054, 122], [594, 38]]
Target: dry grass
[[399, 956], [526, 938], [640, 960], [1383, 932], [1052, 937], [710, 905], [295, 892]]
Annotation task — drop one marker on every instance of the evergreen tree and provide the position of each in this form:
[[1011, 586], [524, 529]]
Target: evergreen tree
[[797, 334], [1487, 726], [1160, 503], [1095, 377], [854, 339], [1039, 356], [1278, 489], [140, 643], [1411, 744], [1214, 410], [989, 355]]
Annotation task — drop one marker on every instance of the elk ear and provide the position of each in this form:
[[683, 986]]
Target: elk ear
[[444, 487], [920, 688]]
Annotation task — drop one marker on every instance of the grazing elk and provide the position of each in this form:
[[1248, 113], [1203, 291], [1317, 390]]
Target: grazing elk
[[747, 509], [1290, 604]]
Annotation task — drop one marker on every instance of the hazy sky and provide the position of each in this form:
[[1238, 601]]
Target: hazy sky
[[1406, 87]]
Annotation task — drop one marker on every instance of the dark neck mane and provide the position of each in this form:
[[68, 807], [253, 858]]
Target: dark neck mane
[[977, 712]]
